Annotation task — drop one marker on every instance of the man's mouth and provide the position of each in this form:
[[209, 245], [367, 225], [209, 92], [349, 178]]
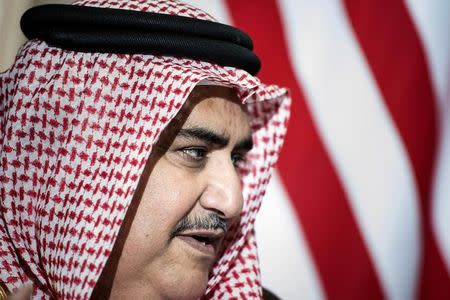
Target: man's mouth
[[206, 242]]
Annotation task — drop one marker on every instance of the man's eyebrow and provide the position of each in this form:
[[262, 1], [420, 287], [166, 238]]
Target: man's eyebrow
[[211, 137], [204, 134]]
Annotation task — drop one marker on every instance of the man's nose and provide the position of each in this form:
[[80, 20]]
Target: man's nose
[[222, 192]]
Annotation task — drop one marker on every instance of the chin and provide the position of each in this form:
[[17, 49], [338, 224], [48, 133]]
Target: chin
[[183, 286], [180, 273], [197, 285], [189, 286], [193, 293]]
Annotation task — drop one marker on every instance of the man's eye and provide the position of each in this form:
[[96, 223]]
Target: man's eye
[[194, 154], [237, 159]]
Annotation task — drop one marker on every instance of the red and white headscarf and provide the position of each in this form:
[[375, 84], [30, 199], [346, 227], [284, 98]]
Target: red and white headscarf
[[76, 130]]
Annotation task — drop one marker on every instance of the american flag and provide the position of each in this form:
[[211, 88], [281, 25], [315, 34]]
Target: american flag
[[359, 207]]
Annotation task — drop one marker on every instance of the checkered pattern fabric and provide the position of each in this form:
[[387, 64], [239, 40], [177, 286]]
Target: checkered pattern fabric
[[76, 130]]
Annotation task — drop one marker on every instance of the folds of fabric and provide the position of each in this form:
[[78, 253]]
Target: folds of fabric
[[76, 132]]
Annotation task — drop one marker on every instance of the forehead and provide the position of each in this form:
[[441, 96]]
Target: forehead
[[217, 108]]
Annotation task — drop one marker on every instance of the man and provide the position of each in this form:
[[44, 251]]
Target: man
[[128, 172]]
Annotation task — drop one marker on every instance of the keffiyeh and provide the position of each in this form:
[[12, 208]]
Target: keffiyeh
[[76, 130]]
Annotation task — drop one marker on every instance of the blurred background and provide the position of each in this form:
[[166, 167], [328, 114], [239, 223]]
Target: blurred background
[[359, 206]]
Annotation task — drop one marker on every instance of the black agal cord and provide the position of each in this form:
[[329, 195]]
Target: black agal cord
[[109, 30]]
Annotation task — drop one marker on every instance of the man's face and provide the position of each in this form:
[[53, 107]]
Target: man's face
[[190, 194]]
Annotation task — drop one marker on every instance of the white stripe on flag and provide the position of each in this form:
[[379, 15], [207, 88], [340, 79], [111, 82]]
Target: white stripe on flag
[[432, 20], [441, 192], [360, 137], [286, 265]]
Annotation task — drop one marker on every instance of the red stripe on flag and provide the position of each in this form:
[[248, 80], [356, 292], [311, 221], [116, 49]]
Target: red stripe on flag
[[338, 250], [391, 45]]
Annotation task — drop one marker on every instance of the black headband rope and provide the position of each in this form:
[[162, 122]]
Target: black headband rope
[[109, 30]]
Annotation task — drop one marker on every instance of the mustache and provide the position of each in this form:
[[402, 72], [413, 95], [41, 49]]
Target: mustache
[[209, 222]]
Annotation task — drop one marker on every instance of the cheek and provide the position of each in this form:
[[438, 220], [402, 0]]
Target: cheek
[[168, 196]]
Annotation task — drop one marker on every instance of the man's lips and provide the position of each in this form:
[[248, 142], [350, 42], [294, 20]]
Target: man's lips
[[206, 241]]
